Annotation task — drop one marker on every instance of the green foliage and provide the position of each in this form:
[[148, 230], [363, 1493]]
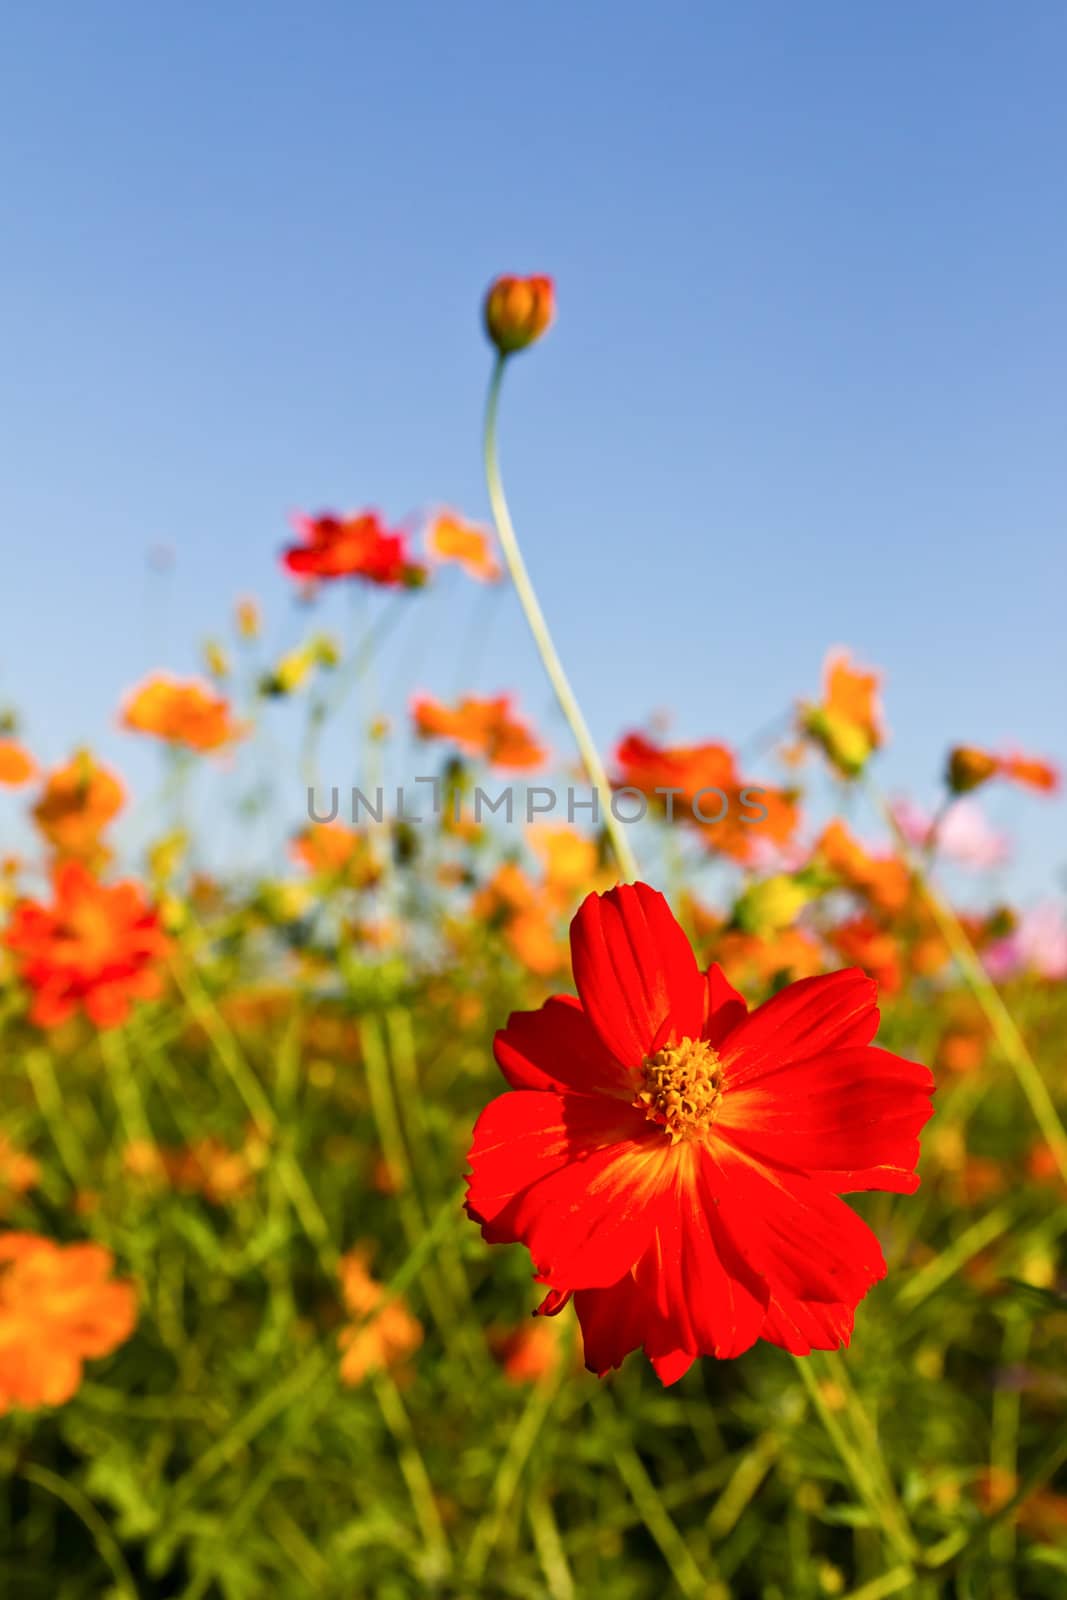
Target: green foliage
[[217, 1455]]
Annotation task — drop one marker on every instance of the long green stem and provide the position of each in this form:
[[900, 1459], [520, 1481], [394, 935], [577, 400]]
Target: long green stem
[[535, 617]]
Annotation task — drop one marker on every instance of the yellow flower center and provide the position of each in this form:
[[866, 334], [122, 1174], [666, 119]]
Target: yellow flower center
[[681, 1089]]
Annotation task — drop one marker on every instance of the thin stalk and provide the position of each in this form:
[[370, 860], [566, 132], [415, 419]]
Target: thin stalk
[[301, 1196], [691, 1581], [408, 1204], [83, 1508], [42, 1078], [124, 1086], [1004, 1450], [535, 617], [870, 1446], [862, 1478], [944, 1266], [549, 1546], [413, 1470], [954, 1546], [509, 1475]]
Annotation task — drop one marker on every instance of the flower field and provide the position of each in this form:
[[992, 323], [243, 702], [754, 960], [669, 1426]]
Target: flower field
[[573, 1173]]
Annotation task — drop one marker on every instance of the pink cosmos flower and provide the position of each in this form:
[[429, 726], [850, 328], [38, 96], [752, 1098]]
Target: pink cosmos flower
[[964, 836], [1039, 944]]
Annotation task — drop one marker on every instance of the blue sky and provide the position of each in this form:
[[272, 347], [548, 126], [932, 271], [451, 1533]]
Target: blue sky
[[806, 384]]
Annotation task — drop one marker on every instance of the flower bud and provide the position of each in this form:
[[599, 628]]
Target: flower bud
[[518, 311], [847, 745], [216, 659], [766, 907], [249, 621], [969, 768]]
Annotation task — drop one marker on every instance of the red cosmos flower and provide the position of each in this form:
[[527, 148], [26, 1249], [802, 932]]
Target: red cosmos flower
[[95, 947], [674, 1162], [352, 547]]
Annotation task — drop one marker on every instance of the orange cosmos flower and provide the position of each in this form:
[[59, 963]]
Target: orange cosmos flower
[[77, 803], [699, 784], [93, 947], [210, 1168], [527, 916], [674, 1162], [480, 727], [1041, 1164], [527, 1352], [873, 948], [471, 548], [518, 311], [183, 713], [569, 858], [19, 1173], [58, 1308], [533, 939], [332, 850], [207, 1167], [963, 1048], [380, 1337], [358, 546], [1043, 1513], [848, 724], [884, 880], [789, 954], [570, 862], [17, 766]]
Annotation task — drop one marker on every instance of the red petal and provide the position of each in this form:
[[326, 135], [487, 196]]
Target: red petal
[[575, 1178], [558, 1048], [613, 1323], [616, 1320], [808, 1325], [851, 1118], [670, 1368], [793, 1231], [808, 1018], [107, 1005], [518, 1138], [636, 972], [726, 1008], [702, 1285], [300, 561], [553, 1303]]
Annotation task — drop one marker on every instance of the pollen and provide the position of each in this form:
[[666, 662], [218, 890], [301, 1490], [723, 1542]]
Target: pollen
[[681, 1089]]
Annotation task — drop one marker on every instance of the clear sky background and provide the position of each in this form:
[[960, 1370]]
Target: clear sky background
[[807, 384]]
